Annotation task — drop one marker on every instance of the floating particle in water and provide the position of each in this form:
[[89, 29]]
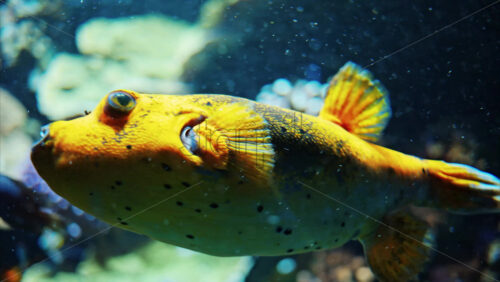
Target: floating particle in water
[[286, 266], [74, 230], [314, 44], [313, 71], [273, 219]]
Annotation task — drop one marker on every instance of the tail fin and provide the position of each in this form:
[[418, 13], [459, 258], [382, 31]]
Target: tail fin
[[462, 188]]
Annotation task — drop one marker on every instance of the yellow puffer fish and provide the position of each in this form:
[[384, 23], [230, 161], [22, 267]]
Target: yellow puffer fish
[[228, 176]]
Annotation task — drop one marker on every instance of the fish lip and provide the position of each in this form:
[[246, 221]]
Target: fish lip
[[41, 152], [44, 134]]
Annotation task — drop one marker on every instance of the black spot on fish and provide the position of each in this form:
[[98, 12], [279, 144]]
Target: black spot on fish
[[91, 194], [208, 104], [302, 131], [214, 205], [241, 182], [342, 224], [128, 208], [118, 182], [167, 186], [123, 223], [186, 184], [96, 164], [197, 210], [346, 213], [129, 147], [289, 250], [318, 248], [190, 236], [287, 231], [260, 208], [165, 167], [112, 187], [240, 232], [119, 218], [306, 248], [308, 196], [336, 240], [179, 203], [391, 171], [279, 229], [424, 171], [283, 129]]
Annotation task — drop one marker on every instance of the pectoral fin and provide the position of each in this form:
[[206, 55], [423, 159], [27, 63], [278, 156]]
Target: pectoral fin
[[241, 139], [398, 249]]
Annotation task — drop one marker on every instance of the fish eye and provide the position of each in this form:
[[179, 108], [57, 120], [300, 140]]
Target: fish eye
[[121, 101], [189, 139]]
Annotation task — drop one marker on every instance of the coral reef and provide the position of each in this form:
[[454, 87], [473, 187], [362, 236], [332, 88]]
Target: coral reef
[[143, 53], [19, 31], [155, 261], [15, 140], [304, 96]]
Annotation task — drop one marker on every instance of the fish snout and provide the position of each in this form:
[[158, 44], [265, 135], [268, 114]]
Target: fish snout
[[44, 134], [41, 150]]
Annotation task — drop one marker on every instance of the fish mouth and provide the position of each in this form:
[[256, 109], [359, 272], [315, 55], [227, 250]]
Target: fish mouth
[[41, 152]]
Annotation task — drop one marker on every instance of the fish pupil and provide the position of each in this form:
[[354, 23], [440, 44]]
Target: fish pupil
[[123, 99]]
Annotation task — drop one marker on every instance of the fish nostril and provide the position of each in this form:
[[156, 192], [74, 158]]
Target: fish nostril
[[44, 134], [44, 131]]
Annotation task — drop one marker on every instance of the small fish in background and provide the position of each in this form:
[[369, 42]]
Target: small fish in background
[[228, 176]]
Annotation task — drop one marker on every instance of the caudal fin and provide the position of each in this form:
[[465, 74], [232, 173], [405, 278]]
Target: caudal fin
[[462, 188]]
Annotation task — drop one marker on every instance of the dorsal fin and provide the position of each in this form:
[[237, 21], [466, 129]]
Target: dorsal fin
[[357, 102]]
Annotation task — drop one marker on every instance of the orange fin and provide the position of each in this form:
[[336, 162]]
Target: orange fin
[[246, 138], [357, 102], [462, 188], [399, 248]]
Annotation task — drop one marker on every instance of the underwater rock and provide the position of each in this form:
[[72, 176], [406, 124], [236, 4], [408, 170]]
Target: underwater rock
[[142, 53]]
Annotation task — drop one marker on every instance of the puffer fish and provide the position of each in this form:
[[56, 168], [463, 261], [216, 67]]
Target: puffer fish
[[229, 176]]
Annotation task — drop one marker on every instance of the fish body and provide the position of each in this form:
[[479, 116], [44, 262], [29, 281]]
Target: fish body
[[228, 176]]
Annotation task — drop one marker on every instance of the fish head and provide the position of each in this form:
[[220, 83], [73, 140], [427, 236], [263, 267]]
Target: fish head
[[132, 143]]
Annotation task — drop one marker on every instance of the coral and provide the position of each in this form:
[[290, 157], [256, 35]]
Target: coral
[[304, 96], [142, 53], [341, 265], [154, 262], [15, 143], [17, 33], [151, 45]]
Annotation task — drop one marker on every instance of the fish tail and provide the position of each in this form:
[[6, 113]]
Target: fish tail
[[461, 188]]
